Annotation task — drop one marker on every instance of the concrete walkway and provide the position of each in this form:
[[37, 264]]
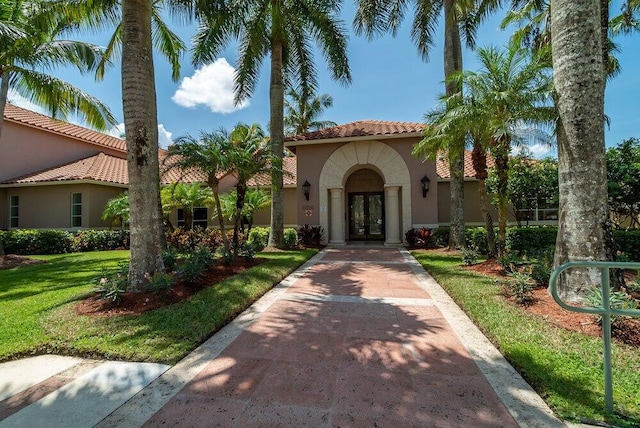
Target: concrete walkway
[[358, 337]]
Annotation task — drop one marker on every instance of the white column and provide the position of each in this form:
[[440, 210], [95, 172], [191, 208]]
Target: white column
[[336, 235], [392, 220]]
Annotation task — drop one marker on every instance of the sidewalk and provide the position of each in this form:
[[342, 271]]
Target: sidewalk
[[358, 337]]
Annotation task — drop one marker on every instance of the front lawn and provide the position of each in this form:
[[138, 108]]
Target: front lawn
[[564, 367], [37, 314]]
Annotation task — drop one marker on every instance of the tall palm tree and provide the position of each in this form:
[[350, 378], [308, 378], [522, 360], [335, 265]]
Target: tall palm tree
[[30, 38], [302, 111], [513, 90], [282, 30], [579, 79], [185, 196], [249, 155], [141, 130], [378, 16], [208, 153]]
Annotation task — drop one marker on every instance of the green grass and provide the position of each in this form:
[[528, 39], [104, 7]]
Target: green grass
[[564, 367], [37, 310]]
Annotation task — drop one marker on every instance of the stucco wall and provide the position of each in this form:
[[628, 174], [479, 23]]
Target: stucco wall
[[472, 214], [24, 150], [49, 207], [312, 158], [4, 209], [263, 217]]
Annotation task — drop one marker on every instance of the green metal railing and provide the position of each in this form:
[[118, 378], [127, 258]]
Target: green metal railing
[[605, 311]]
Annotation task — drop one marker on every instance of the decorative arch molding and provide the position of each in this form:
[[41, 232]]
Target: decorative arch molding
[[351, 157]]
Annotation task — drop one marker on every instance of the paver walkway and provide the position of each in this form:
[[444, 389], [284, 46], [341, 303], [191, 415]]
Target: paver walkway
[[360, 337]]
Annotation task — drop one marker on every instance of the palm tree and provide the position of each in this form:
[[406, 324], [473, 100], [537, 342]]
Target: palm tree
[[458, 118], [141, 130], [249, 155], [512, 90], [254, 200], [207, 154], [378, 16], [29, 34], [579, 78], [185, 196], [283, 31], [302, 111], [118, 209]]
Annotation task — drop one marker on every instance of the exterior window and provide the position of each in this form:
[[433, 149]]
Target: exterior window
[[76, 210], [14, 211], [539, 210], [200, 217]]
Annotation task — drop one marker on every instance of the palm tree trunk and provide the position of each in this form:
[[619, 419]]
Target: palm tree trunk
[[502, 171], [141, 127], [4, 92], [579, 79], [241, 191], [276, 129], [479, 158], [223, 231], [452, 64]]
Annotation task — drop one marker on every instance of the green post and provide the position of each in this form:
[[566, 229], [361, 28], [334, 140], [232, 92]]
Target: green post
[[606, 336]]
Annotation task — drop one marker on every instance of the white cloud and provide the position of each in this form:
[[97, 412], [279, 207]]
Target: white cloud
[[211, 85], [20, 101], [540, 150], [164, 136]]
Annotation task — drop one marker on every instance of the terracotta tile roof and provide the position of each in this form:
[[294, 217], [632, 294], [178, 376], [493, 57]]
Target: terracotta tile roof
[[37, 120], [361, 128], [100, 167], [442, 165], [290, 167]]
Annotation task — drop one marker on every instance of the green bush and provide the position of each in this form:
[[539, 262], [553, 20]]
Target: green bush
[[258, 238], [628, 242], [290, 238], [470, 256], [36, 241], [531, 241], [440, 237], [476, 237], [617, 300], [111, 285], [194, 265], [100, 240], [520, 285]]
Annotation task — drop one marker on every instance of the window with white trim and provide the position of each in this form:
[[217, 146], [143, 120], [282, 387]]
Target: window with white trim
[[14, 211], [76, 210]]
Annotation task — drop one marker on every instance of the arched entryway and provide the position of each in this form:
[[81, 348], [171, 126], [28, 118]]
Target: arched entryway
[[365, 206], [333, 195]]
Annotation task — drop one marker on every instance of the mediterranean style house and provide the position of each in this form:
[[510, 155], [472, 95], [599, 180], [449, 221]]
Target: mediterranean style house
[[358, 181]]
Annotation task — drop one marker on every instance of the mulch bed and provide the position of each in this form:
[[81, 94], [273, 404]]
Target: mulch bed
[[137, 303], [10, 261]]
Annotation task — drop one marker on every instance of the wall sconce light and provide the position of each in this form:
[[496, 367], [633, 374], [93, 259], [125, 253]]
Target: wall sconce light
[[424, 183], [306, 189]]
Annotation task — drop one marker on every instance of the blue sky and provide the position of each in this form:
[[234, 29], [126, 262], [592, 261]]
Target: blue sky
[[390, 82]]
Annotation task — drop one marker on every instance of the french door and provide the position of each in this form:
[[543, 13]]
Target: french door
[[366, 216]]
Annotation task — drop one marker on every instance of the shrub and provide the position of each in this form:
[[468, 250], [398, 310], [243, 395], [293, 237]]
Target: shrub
[[530, 240], [290, 238], [440, 237], [170, 259], [520, 285], [418, 237], [476, 237], [617, 300], [469, 256], [186, 241], [258, 238], [111, 285], [310, 235], [160, 282], [628, 242], [100, 240], [35, 241], [194, 265]]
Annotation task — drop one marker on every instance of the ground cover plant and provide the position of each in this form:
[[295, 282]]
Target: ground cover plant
[[39, 309], [564, 367]]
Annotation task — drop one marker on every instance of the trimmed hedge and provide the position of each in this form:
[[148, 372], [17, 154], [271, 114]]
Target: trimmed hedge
[[533, 241], [43, 241]]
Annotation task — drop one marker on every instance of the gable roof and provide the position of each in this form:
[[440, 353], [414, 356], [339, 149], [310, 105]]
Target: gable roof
[[32, 119], [101, 168], [360, 129]]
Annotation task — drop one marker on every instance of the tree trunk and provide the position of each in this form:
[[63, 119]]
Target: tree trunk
[[223, 231], [141, 130], [452, 64], [479, 158], [276, 129], [4, 94], [241, 191], [188, 218], [579, 79], [501, 156]]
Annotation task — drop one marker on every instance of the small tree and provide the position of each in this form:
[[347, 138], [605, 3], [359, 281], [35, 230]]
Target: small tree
[[118, 209], [623, 177], [186, 197]]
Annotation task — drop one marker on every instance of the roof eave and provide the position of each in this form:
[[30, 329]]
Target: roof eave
[[294, 143], [59, 182]]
